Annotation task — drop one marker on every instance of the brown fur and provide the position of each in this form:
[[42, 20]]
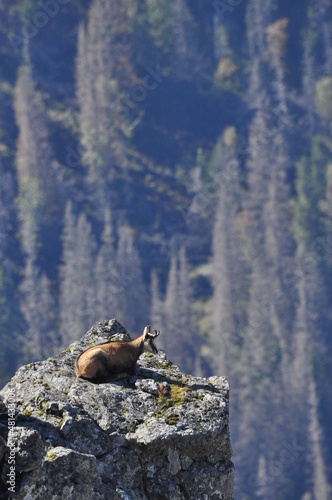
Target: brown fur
[[114, 358]]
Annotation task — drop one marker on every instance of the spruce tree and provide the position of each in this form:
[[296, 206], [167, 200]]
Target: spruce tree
[[180, 342], [129, 284], [103, 75], [228, 268], [77, 278], [37, 186], [157, 306], [106, 269], [40, 338]]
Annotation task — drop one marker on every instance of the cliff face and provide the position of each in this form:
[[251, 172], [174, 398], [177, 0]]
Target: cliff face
[[160, 434]]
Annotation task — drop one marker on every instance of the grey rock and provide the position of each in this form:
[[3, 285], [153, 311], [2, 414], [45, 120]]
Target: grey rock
[[174, 462], [28, 448], [2, 405], [84, 435], [158, 434], [3, 447], [64, 474], [147, 385]]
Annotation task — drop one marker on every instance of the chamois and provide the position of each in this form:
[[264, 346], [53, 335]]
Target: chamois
[[117, 359]]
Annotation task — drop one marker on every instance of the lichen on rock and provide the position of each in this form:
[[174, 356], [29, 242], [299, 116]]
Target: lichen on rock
[[159, 434]]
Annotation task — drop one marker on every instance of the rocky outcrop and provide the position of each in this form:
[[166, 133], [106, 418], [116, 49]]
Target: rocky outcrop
[[160, 434]]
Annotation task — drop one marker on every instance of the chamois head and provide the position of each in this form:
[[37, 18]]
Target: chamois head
[[148, 339]]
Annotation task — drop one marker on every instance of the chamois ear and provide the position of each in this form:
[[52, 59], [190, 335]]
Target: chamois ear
[[146, 331]]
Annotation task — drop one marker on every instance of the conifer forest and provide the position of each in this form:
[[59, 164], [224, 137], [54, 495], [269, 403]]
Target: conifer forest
[[170, 162]]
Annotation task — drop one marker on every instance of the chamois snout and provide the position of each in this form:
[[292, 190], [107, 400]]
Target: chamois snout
[[149, 338]]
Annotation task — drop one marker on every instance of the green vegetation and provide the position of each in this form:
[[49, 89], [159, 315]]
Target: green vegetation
[[50, 456], [175, 398]]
